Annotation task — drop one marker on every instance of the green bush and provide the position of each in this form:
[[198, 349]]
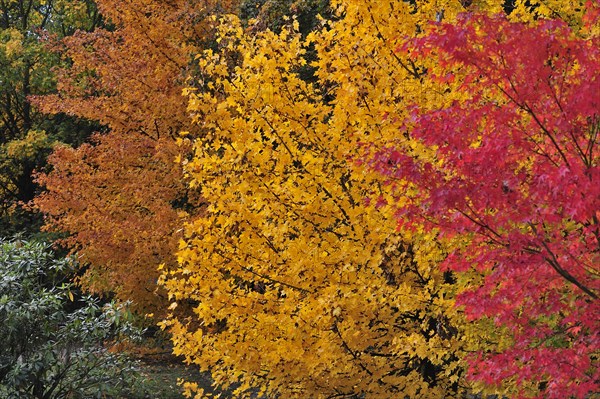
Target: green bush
[[53, 345]]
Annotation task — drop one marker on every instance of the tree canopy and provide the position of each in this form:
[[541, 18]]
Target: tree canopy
[[353, 199]]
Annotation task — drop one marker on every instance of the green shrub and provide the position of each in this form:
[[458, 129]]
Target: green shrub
[[53, 345]]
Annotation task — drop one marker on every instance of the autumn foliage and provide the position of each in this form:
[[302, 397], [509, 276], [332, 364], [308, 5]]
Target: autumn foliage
[[120, 198], [121, 232], [401, 203], [515, 174], [26, 134], [301, 288], [301, 282]]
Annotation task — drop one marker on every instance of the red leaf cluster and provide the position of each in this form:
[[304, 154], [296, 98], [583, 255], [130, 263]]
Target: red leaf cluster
[[517, 166]]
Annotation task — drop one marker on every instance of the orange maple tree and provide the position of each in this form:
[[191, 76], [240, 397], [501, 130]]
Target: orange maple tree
[[116, 198], [121, 197]]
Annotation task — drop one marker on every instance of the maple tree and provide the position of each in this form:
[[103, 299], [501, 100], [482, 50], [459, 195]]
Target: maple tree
[[119, 199], [116, 197], [514, 176], [300, 288]]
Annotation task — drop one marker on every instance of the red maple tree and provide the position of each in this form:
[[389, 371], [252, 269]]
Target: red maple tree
[[517, 171]]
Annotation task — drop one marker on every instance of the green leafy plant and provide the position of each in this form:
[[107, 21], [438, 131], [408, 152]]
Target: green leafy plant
[[53, 344]]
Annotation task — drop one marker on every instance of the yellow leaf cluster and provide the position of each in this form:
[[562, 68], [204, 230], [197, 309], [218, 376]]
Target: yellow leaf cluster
[[11, 43], [34, 142], [300, 285]]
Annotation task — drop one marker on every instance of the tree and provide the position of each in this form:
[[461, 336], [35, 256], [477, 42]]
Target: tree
[[120, 198], [117, 197], [298, 287], [52, 346], [26, 137], [515, 177]]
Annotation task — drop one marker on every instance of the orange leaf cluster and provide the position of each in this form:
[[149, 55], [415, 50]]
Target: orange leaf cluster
[[123, 222], [120, 199]]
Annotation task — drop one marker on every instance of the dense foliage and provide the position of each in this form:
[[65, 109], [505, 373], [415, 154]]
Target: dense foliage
[[51, 344], [300, 287], [515, 174], [120, 198], [26, 135], [352, 199], [302, 282]]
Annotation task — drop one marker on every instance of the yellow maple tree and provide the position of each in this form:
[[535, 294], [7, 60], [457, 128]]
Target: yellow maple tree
[[299, 285]]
